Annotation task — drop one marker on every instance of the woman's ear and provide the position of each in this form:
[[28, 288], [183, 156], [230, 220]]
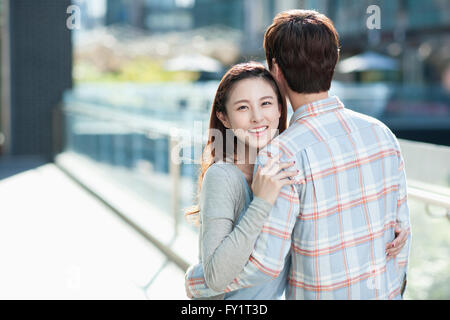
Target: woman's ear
[[223, 118]]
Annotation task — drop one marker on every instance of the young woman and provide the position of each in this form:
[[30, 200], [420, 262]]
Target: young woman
[[248, 110], [247, 113]]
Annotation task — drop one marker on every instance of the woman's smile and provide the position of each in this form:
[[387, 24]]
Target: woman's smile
[[259, 131]]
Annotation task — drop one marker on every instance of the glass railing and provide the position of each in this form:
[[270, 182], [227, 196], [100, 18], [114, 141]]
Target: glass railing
[[143, 164], [428, 174]]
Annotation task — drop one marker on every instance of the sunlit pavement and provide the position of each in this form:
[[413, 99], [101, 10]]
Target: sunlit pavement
[[57, 242]]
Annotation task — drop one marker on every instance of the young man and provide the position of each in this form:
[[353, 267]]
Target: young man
[[331, 228]]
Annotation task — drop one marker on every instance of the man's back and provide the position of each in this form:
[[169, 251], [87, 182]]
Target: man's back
[[352, 191]]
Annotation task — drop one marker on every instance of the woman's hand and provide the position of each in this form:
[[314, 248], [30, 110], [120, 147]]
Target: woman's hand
[[393, 248], [269, 179]]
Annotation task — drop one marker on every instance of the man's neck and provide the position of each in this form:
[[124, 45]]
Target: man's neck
[[299, 99]]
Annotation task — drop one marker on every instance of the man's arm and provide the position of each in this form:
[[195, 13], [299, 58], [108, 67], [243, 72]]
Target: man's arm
[[273, 244], [195, 278], [403, 220]]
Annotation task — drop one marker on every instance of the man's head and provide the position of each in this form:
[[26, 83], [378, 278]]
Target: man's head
[[304, 46]]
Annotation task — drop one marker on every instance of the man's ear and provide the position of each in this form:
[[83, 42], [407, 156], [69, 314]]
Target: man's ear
[[276, 71], [274, 62], [223, 118]]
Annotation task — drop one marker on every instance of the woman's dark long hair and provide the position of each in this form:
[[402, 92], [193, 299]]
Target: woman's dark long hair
[[237, 73]]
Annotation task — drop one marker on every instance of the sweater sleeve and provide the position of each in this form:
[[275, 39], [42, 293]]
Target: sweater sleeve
[[225, 250]]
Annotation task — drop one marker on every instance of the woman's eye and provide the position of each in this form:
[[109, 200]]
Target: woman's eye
[[242, 107], [267, 103]]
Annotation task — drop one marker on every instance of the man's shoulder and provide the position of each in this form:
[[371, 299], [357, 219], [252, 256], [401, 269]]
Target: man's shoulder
[[292, 141], [284, 144], [363, 121], [366, 120]]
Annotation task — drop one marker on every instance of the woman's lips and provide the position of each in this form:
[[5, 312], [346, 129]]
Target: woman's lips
[[258, 131]]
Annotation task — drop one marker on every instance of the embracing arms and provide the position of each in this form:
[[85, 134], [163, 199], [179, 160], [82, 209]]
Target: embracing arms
[[225, 250], [256, 265]]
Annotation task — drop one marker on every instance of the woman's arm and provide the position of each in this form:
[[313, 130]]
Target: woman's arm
[[230, 255], [223, 268], [225, 250]]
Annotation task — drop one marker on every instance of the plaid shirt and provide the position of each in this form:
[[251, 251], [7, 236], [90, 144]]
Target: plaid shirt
[[335, 222]]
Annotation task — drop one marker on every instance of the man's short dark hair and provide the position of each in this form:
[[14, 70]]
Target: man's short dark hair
[[305, 46]]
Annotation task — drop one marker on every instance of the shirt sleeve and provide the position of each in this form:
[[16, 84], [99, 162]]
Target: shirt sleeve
[[273, 244], [403, 217], [225, 249], [196, 284]]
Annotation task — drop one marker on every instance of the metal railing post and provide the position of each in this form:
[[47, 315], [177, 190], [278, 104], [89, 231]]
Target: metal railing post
[[174, 171]]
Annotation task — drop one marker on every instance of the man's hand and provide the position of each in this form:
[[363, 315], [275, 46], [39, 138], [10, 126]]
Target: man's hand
[[393, 248], [186, 287]]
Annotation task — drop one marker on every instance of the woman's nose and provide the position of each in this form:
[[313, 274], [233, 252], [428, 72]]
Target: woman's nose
[[257, 115]]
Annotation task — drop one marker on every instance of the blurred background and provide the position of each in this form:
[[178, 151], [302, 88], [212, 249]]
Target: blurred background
[[100, 97]]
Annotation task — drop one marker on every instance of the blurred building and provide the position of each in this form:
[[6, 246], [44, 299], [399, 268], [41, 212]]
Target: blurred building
[[411, 30], [116, 12], [151, 15], [417, 32], [36, 69], [249, 16]]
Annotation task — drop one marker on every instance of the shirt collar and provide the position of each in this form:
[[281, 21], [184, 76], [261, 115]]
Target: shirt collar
[[317, 107]]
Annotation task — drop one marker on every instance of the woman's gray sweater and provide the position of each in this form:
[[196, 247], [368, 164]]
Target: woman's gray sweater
[[224, 246]]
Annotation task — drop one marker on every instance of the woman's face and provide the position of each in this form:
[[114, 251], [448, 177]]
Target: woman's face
[[253, 112]]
